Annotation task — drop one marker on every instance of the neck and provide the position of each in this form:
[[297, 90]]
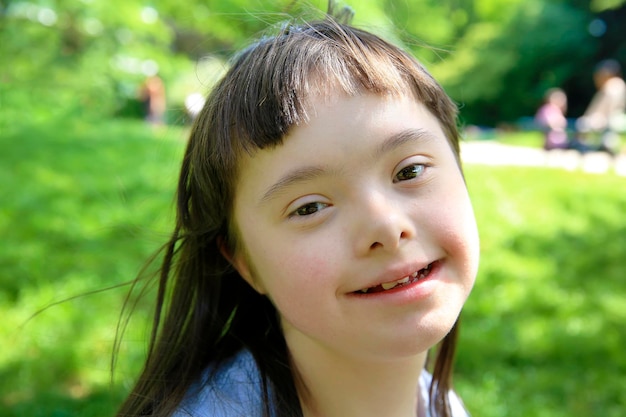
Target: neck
[[332, 385]]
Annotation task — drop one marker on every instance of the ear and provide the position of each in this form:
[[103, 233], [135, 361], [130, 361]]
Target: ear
[[240, 264]]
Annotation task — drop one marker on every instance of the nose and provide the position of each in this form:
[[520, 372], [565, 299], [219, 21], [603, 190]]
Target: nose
[[382, 224]]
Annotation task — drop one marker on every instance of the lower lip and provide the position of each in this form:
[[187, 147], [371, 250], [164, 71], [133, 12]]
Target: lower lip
[[417, 290]]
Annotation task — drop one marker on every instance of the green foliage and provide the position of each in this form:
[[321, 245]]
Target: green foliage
[[85, 204], [497, 74], [66, 58], [601, 5]]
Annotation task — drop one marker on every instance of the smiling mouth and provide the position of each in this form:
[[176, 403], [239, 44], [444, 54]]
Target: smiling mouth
[[409, 279]]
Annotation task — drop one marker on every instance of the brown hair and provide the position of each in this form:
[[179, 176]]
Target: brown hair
[[210, 313]]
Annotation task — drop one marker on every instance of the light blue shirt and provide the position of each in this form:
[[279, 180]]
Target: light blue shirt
[[235, 391]]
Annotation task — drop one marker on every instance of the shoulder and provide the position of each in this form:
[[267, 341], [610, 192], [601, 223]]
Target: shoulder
[[614, 86], [456, 405], [231, 390]]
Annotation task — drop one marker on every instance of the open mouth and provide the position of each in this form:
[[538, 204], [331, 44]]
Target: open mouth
[[409, 279]]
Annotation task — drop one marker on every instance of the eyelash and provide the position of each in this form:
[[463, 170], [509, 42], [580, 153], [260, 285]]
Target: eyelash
[[304, 210], [410, 169], [315, 207]]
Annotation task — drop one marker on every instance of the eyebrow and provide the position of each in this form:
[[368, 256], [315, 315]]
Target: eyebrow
[[405, 136], [293, 177], [312, 172]]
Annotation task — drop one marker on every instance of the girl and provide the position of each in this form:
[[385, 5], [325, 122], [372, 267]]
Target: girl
[[551, 119], [324, 241]]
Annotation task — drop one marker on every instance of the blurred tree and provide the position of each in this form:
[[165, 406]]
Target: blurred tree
[[77, 57], [502, 67], [88, 57], [498, 57], [603, 5], [495, 57]]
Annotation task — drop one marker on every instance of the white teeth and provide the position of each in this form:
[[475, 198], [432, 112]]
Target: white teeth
[[388, 285], [424, 272]]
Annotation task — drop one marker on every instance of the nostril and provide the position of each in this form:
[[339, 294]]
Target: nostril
[[376, 245]]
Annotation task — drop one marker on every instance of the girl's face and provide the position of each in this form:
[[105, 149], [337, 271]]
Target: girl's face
[[359, 229]]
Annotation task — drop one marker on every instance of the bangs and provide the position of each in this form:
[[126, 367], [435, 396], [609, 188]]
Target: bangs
[[270, 84]]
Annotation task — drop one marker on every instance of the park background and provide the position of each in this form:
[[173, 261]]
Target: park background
[[87, 190]]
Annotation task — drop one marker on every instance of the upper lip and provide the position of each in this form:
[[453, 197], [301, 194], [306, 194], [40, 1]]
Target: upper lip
[[394, 274]]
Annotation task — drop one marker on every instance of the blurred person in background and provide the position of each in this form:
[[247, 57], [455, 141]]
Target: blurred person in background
[[605, 113], [152, 97], [551, 119]]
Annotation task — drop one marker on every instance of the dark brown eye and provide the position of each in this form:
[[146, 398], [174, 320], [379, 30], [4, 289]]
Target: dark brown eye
[[409, 173], [308, 209]]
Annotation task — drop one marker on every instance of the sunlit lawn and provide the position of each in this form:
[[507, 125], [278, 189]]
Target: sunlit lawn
[[83, 205], [545, 327], [82, 208]]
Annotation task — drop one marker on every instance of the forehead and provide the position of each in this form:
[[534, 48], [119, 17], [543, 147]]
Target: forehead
[[331, 111], [335, 113], [273, 83], [344, 133], [337, 79]]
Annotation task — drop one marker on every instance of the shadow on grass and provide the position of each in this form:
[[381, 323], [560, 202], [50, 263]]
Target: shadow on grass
[[51, 403], [48, 383]]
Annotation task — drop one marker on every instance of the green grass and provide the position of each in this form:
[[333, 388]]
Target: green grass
[[544, 328], [84, 205], [528, 138], [533, 138]]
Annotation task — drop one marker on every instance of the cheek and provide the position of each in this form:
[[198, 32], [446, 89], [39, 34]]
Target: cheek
[[300, 290], [303, 272], [301, 285], [291, 273], [454, 225], [463, 240]]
